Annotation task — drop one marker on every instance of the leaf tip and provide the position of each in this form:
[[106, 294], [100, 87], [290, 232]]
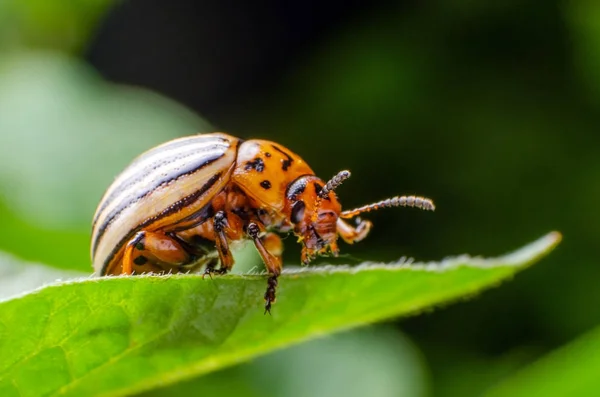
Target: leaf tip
[[535, 250], [555, 237], [548, 242]]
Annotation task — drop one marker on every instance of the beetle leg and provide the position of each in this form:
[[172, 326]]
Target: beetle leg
[[273, 244], [219, 225], [152, 251], [272, 260], [210, 269], [353, 234]]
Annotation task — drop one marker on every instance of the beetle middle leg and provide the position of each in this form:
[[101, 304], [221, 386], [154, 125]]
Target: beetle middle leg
[[219, 225], [273, 244], [272, 260], [153, 251]]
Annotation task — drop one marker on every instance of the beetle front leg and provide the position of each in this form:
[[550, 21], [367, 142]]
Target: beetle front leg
[[351, 234], [153, 251], [219, 225], [272, 262]]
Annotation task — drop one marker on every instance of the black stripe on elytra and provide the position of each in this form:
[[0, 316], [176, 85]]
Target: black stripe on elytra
[[177, 143], [285, 164], [193, 168], [207, 212], [178, 206], [157, 164], [196, 219]]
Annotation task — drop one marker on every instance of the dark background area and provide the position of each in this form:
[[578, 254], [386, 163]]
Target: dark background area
[[490, 109], [216, 57]]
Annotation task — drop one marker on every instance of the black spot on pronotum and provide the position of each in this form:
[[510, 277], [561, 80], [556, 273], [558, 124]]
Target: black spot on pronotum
[[257, 164], [297, 211], [285, 163], [265, 184], [140, 260]]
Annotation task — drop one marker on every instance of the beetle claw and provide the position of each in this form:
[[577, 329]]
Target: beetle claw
[[270, 294]]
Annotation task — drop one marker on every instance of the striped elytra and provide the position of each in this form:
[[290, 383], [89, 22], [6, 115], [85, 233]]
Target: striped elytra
[[179, 206], [152, 190]]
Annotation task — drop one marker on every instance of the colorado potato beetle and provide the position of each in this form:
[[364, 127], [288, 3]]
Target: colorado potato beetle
[[179, 206]]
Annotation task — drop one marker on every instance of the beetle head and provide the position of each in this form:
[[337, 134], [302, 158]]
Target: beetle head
[[313, 208]]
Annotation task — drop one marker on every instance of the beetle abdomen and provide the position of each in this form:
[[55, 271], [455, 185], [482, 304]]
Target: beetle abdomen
[[160, 187]]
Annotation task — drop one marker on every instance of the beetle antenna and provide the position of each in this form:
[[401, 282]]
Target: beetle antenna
[[330, 186], [334, 183], [398, 201]]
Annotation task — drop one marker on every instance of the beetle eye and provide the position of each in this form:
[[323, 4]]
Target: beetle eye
[[297, 211]]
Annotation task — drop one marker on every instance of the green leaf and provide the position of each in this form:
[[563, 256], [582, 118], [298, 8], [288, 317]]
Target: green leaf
[[390, 366], [120, 335], [569, 371]]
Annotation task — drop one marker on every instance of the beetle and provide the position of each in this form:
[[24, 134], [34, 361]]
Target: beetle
[[181, 205]]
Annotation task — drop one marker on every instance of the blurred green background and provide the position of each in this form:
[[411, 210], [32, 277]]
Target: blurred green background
[[491, 109]]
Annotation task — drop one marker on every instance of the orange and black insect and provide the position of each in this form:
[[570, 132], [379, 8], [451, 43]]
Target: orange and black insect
[[179, 207]]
